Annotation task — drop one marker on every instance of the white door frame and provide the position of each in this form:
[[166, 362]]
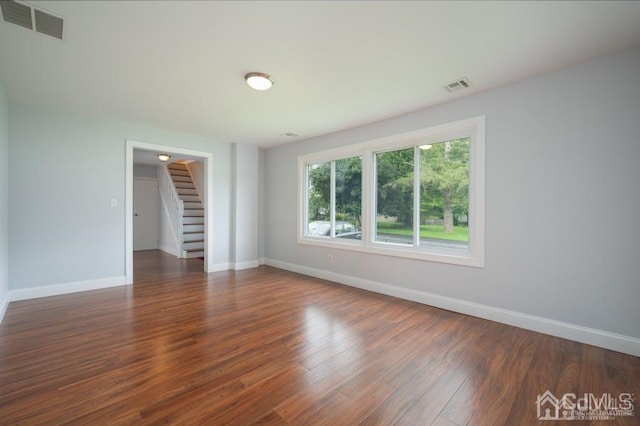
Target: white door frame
[[208, 200]]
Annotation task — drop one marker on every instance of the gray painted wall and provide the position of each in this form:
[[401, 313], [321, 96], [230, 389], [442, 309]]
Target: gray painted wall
[[64, 170], [145, 171], [562, 199], [4, 198], [197, 173], [245, 203], [261, 203]]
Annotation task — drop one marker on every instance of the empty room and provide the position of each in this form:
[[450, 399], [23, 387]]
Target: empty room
[[319, 212]]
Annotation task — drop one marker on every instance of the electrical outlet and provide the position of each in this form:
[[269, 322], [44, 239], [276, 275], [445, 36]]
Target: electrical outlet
[[329, 258]]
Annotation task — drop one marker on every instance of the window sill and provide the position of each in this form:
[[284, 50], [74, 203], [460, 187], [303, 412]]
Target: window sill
[[462, 256]]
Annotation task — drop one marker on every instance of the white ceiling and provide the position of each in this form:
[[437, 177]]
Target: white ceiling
[[336, 64]]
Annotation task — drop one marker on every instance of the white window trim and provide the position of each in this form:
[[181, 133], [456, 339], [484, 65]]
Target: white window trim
[[474, 256]]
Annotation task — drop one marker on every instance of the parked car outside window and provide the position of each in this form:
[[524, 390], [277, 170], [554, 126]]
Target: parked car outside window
[[322, 228]]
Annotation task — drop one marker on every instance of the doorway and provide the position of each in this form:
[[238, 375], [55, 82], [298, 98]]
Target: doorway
[[151, 150]]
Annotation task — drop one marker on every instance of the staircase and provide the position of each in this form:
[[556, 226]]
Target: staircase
[[193, 217]]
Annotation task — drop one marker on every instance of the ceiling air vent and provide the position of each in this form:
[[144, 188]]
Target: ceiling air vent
[[16, 13], [25, 16], [48, 24], [458, 85]]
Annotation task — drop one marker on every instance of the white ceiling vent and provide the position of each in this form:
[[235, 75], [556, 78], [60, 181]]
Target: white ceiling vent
[[25, 16], [48, 24], [16, 13], [458, 85]]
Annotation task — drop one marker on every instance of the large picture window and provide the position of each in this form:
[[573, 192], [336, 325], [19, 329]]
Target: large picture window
[[416, 195]]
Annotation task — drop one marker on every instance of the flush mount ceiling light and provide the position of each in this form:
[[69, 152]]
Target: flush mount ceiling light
[[259, 80], [424, 147], [164, 157]]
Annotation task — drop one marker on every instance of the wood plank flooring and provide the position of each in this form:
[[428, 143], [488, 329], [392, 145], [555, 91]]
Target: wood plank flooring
[[266, 346]]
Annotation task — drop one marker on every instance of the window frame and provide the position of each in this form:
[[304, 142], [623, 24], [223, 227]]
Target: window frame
[[474, 128]]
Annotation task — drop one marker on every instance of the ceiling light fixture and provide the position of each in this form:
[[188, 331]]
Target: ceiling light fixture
[[424, 147], [164, 157], [259, 80]]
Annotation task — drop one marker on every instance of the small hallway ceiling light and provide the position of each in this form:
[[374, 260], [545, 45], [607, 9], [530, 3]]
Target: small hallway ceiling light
[[164, 157], [425, 147], [259, 80]]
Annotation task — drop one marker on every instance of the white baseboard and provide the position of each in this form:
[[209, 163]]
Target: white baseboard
[[604, 339], [218, 267], [66, 288], [4, 303], [169, 250], [234, 266], [239, 266]]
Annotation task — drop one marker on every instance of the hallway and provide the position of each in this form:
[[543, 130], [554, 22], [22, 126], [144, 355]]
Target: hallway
[[154, 265]]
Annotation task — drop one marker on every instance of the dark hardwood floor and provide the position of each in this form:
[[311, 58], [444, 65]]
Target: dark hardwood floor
[[272, 347]]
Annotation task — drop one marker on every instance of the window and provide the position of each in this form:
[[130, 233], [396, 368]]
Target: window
[[422, 194], [334, 199], [418, 195], [394, 196]]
